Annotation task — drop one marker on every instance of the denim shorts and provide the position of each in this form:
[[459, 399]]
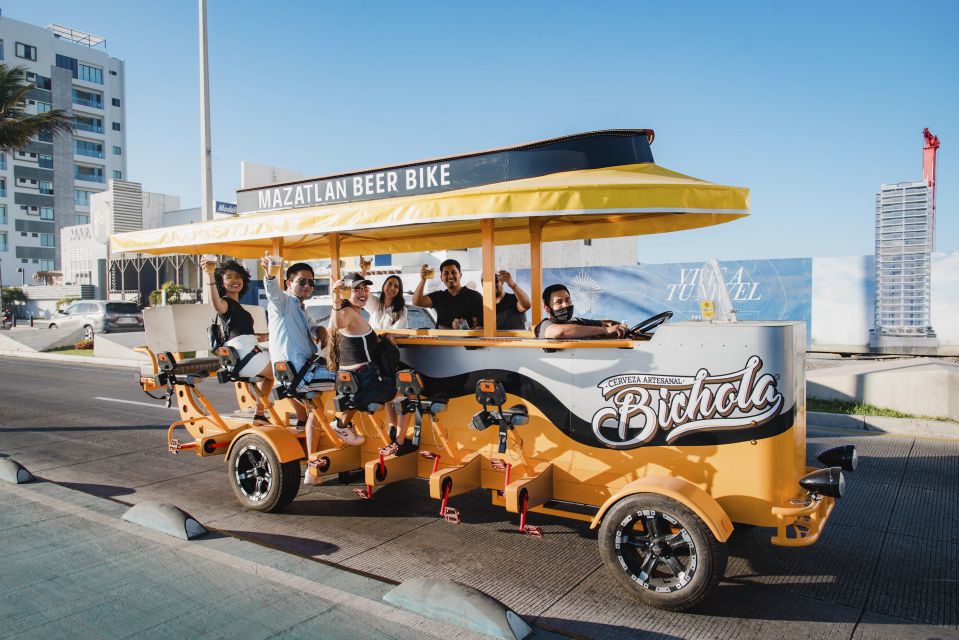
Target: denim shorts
[[373, 387], [318, 373]]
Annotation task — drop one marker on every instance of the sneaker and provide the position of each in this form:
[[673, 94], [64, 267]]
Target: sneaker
[[390, 449], [348, 433]]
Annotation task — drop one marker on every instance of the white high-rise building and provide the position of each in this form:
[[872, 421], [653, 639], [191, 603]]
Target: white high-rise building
[[47, 185], [904, 234]]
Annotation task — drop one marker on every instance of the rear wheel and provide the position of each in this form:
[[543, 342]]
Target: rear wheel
[[52, 326], [661, 552], [259, 480], [88, 332]]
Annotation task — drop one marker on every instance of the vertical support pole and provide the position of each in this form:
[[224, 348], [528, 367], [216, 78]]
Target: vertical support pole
[[334, 259], [206, 153], [536, 268], [489, 273]]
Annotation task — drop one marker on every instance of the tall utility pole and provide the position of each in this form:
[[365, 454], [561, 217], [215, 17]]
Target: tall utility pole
[[206, 154]]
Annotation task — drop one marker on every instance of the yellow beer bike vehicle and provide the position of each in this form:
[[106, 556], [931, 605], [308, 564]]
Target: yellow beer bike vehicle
[[662, 439]]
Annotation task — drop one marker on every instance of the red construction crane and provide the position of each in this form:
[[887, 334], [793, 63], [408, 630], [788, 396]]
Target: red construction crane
[[929, 169]]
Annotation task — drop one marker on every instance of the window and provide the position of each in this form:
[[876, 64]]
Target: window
[[46, 265], [87, 98], [46, 187], [1, 49], [117, 151], [43, 107], [87, 123], [588, 242], [3, 187], [47, 240], [41, 82], [3, 161], [46, 213], [112, 72], [83, 218], [117, 175], [26, 51], [91, 74], [65, 62], [3, 214], [3, 241], [44, 137], [91, 174], [116, 126], [46, 162], [115, 101], [88, 148], [81, 197]]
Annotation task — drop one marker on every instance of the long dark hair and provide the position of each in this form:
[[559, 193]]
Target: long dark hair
[[231, 265], [398, 304]]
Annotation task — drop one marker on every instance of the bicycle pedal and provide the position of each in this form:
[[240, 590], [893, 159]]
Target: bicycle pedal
[[452, 515], [429, 455], [533, 531], [363, 492]]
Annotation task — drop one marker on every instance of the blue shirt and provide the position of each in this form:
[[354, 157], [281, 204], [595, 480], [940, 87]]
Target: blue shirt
[[290, 327]]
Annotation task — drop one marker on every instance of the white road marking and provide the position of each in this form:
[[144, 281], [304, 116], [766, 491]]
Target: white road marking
[[142, 404]]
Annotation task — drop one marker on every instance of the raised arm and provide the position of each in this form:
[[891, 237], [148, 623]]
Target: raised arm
[[579, 331], [218, 303], [523, 303], [419, 299]]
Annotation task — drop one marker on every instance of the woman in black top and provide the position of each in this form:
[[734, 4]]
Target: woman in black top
[[226, 283]]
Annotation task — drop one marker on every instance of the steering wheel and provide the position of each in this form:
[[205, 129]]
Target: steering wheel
[[644, 328]]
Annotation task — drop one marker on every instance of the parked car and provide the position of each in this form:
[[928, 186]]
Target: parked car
[[99, 316], [318, 308]]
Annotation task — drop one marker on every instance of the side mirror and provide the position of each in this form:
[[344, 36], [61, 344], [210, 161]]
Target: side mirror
[[62, 312]]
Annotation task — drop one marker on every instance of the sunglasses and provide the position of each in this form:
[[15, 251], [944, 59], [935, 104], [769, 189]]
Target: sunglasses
[[303, 282]]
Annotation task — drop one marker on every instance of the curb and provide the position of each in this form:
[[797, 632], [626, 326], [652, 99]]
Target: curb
[[883, 424], [56, 357]]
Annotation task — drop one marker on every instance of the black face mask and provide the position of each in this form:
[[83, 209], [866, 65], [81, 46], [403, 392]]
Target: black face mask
[[563, 315]]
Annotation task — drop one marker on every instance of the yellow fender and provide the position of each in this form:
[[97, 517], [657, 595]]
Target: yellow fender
[[682, 491], [286, 445]]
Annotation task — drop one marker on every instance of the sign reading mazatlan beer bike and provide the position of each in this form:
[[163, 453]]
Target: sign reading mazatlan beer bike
[[571, 153]]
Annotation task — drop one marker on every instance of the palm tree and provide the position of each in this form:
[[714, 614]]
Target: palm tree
[[17, 127]]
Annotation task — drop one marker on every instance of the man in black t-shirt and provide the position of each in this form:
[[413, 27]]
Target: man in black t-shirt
[[511, 308], [560, 323], [456, 308]]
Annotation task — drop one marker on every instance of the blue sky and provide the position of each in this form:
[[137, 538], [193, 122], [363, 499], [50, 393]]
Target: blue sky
[[811, 105]]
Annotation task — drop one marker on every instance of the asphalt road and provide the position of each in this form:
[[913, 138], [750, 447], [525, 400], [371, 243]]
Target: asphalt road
[[886, 566]]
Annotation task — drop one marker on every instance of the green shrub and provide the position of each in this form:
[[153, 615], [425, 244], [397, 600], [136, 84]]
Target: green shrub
[[62, 302], [173, 294]]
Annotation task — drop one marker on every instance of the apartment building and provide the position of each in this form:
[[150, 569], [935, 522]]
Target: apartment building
[[47, 185]]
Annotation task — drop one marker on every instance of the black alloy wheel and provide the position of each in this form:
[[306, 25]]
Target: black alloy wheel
[[661, 551], [259, 480]]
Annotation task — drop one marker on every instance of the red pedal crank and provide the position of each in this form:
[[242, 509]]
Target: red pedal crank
[[435, 457]]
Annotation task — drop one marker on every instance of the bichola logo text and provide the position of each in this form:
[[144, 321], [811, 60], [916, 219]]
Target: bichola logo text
[[646, 404]]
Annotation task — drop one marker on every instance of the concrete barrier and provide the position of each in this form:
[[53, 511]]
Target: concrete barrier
[[920, 386]]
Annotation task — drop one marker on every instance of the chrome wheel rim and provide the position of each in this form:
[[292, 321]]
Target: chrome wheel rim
[[252, 473]]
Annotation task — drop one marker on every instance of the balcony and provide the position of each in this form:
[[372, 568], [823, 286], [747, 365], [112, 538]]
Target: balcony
[[89, 177], [84, 126], [90, 153], [86, 102]]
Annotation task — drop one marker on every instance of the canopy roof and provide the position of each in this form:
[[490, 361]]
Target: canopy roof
[[627, 200]]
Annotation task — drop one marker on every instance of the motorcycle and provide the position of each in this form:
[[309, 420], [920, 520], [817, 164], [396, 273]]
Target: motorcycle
[[7, 319]]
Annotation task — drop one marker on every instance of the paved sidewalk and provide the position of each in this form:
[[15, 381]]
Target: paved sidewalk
[[72, 568]]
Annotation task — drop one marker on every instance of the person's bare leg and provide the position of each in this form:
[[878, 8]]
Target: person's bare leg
[[404, 424], [391, 416], [311, 433]]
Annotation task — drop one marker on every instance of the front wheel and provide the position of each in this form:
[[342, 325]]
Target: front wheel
[[661, 552], [88, 332], [259, 480]]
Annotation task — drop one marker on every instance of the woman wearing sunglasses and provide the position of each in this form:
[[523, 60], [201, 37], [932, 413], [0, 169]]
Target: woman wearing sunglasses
[[354, 347]]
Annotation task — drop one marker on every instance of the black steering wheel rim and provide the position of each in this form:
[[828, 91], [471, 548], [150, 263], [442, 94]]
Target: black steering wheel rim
[[643, 329]]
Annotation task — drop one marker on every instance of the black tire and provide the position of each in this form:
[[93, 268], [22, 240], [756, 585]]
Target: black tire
[[259, 480], [675, 567], [52, 326], [87, 332]]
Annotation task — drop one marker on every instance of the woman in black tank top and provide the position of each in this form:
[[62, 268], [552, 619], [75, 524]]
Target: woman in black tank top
[[354, 347], [226, 284]]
